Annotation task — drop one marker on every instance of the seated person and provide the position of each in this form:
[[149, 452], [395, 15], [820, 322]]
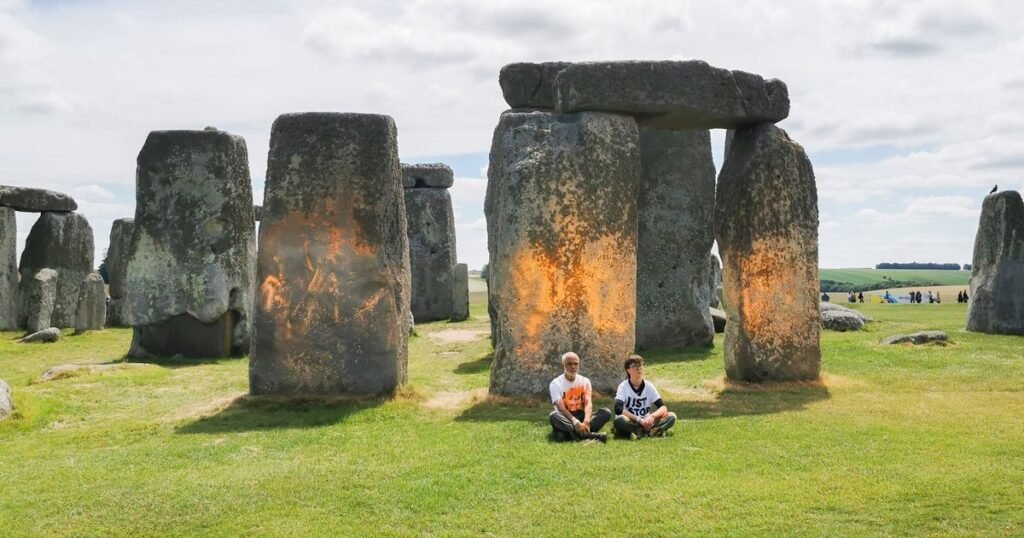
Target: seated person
[[639, 409], [573, 417]]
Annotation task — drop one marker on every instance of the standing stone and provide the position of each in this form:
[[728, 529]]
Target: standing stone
[[766, 219], [191, 261], [36, 297], [8, 270], [35, 200], [714, 279], [92, 304], [561, 230], [431, 246], [675, 208], [117, 271], [6, 402], [460, 293], [62, 242], [997, 270], [332, 309]]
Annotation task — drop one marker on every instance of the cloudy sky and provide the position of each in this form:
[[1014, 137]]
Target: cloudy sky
[[910, 111]]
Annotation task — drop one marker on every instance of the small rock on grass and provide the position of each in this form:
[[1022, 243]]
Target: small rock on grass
[[917, 338], [44, 336], [71, 370], [838, 320], [6, 404]]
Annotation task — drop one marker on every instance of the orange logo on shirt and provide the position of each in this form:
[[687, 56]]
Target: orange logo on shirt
[[575, 399]]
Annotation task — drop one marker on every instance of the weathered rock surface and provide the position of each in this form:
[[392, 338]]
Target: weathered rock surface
[[675, 231], [431, 251], [997, 272], [8, 270], [917, 338], [35, 200], [91, 314], [333, 271], [766, 221], [36, 297], [427, 175], [6, 401], [62, 242], [64, 371], [530, 85], [460, 293], [117, 271], [257, 212], [561, 227], [719, 318], [714, 278], [835, 307], [838, 320], [672, 94], [194, 245], [44, 336]]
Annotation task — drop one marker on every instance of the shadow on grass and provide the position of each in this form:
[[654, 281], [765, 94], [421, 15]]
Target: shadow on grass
[[475, 366], [661, 356], [176, 361], [248, 413], [731, 401]]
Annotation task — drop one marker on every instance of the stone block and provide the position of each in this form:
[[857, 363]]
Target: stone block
[[35, 200], [431, 252], [460, 293], [6, 401], [530, 85], [997, 269], [91, 314], [427, 175], [45, 336], [36, 297], [62, 242], [333, 271], [117, 271], [8, 270]]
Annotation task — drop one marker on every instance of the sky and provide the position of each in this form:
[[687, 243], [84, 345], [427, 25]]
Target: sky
[[909, 111]]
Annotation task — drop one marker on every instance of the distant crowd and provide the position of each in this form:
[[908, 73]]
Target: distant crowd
[[916, 297]]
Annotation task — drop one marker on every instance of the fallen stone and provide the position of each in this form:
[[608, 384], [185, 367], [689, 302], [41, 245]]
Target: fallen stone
[[675, 208], [997, 271], [92, 304], [766, 221], [36, 296], [714, 279], [530, 85], [6, 402], [672, 94], [49, 335], [561, 228], [835, 307], [838, 320], [427, 175], [332, 309], [917, 338], [62, 242], [460, 293], [719, 318], [8, 270], [72, 370], [35, 200], [431, 231], [193, 251], [117, 271]]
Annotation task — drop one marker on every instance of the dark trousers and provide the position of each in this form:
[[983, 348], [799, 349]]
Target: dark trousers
[[562, 424], [624, 426]]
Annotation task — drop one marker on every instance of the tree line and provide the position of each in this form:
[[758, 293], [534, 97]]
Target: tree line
[[916, 265]]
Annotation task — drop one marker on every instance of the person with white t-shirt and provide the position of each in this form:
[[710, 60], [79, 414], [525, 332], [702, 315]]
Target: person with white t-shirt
[[639, 409], [574, 417]]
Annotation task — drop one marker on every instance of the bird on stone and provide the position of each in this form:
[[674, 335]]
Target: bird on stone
[[994, 189]]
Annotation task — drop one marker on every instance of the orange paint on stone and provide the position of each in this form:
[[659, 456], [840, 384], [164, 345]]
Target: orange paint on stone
[[773, 286]]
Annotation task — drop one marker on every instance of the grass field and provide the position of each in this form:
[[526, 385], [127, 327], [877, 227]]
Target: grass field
[[865, 277], [894, 440]]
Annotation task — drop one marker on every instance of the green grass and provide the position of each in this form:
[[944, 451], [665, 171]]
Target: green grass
[[864, 277], [896, 440]]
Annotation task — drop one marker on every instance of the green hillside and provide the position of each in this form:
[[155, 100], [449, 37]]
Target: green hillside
[[871, 279]]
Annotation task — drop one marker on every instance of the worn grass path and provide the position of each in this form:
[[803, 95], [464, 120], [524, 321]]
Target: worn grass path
[[895, 440]]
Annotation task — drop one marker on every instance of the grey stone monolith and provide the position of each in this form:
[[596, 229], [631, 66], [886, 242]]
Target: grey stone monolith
[[92, 304], [333, 301], [36, 297], [117, 271], [460, 293], [561, 228], [427, 175], [62, 242], [35, 200], [193, 250], [766, 221], [8, 270], [714, 278], [997, 270], [431, 251], [6, 401], [674, 236], [530, 85], [672, 94]]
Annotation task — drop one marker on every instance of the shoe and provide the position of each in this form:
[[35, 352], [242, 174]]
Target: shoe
[[561, 437], [602, 437], [632, 436]]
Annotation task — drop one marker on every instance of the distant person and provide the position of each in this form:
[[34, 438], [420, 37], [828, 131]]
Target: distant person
[[824, 297], [938, 298], [966, 298], [919, 297], [573, 417], [860, 296], [851, 298], [639, 409], [931, 298], [960, 297]]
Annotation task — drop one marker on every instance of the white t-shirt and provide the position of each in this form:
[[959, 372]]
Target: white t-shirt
[[638, 402], [574, 394]]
